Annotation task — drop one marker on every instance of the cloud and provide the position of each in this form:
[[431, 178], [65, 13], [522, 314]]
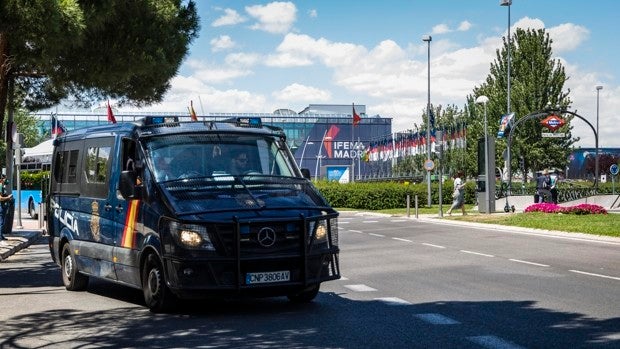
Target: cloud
[[464, 26], [241, 59], [304, 48], [221, 43], [301, 93], [567, 37], [230, 17], [444, 28], [275, 17], [312, 13], [216, 74], [440, 29]]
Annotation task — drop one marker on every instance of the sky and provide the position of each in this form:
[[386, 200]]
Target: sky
[[259, 56]]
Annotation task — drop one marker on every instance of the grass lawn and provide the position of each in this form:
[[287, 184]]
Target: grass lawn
[[595, 224]]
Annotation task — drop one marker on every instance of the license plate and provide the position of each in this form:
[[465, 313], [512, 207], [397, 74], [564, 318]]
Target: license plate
[[267, 277]]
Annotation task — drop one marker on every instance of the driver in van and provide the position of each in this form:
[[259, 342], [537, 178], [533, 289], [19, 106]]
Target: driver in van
[[239, 163]]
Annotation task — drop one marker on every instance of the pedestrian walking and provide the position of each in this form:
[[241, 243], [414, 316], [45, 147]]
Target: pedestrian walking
[[458, 195]]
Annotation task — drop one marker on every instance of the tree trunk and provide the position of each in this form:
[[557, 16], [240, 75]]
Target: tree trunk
[[5, 68]]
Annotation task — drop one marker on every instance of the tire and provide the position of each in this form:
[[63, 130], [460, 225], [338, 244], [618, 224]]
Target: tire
[[32, 210], [157, 295], [306, 295], [71, 276]]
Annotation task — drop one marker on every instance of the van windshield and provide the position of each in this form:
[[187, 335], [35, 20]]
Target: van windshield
[[216, 156]]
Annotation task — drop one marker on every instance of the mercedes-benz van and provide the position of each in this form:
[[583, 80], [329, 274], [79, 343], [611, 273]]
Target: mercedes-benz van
[[160, 205]]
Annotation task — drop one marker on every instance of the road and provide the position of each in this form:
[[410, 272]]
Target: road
[[407, 284]]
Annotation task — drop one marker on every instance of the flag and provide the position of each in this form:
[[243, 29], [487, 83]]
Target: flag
[[57, 126], [192, 112], [111, 117], [356, 117]]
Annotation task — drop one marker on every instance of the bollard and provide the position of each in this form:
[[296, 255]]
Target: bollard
[[416, 206], [408, 205]]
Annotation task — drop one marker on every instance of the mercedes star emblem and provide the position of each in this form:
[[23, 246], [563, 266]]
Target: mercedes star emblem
[[266, 237]]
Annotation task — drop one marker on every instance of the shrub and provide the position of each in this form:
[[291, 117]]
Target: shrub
[[580, 209], [387, 195]]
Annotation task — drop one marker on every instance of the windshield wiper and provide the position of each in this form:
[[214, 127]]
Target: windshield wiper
[[245, 187]]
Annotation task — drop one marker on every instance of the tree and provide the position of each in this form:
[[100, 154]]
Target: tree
[[537, 82], [88, 50]]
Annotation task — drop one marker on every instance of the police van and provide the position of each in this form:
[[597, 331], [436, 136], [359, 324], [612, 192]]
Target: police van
[[189, 210]]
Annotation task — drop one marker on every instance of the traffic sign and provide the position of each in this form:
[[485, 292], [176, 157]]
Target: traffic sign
[[613, 169], [429, 165]]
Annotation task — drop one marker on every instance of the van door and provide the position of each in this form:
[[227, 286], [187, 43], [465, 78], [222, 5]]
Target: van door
[[128, 227], [98, 204]]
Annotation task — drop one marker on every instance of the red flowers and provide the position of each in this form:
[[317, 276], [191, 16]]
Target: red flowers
[[578, 209]]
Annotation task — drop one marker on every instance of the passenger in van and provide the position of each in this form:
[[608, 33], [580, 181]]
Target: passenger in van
[[239, 163], [162, 169]]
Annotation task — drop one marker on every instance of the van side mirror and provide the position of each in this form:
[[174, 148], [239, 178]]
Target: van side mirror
[[305, 173], [128, 186]]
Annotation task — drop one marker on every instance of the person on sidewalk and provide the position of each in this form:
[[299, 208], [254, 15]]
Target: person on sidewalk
[[458, 196], [4, 204]]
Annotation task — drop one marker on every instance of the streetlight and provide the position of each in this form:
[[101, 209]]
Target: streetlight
[[303, 151], [508, 3], [428, 39], [596, 170], [487, 199], [319, 156]]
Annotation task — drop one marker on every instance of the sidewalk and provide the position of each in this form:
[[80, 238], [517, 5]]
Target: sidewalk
[[20, 237]]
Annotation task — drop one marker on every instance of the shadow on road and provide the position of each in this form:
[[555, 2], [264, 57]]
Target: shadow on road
[[332, 321]]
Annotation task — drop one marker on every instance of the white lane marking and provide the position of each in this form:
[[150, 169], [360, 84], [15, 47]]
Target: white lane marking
[[378, 235], [404, 240], [592, 274], [344, 278], [436, 319], [433, 245], [340, 222], [398, 220], [526, 262], [360, 288], [493, 342], [370, 221], [356, 231], [477, 253], [511, 230], [393, 301]]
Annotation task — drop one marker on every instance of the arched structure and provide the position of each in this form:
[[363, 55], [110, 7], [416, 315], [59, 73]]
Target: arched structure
[[540, 115]]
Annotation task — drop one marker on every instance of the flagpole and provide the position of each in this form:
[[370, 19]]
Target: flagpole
[[352, 142]]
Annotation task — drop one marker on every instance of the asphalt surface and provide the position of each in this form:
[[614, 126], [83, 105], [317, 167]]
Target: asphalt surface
[[29, 231]]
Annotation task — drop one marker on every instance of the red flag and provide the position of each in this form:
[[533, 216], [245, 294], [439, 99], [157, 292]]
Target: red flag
[[111, 117], [57, 126], [356, 117], [192, 112]]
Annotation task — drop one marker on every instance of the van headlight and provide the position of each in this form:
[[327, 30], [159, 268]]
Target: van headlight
[[322, 229], [192, 236]]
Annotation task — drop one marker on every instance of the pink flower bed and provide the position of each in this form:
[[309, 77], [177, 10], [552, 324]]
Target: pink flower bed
[[578, 209]]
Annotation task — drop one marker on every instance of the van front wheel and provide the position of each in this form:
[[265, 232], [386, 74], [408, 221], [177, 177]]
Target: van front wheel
[[156, 294], [71, 277]]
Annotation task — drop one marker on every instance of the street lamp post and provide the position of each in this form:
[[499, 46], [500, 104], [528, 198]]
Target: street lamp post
[[319, 156], [596, 159], [508, 3], [303, 151], [428, 39], [487, 199]]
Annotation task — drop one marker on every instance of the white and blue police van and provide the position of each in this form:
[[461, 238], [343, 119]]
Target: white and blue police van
[[156, 205]]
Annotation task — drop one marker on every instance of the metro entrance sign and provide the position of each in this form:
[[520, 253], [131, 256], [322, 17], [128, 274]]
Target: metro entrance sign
[[553, 122]]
